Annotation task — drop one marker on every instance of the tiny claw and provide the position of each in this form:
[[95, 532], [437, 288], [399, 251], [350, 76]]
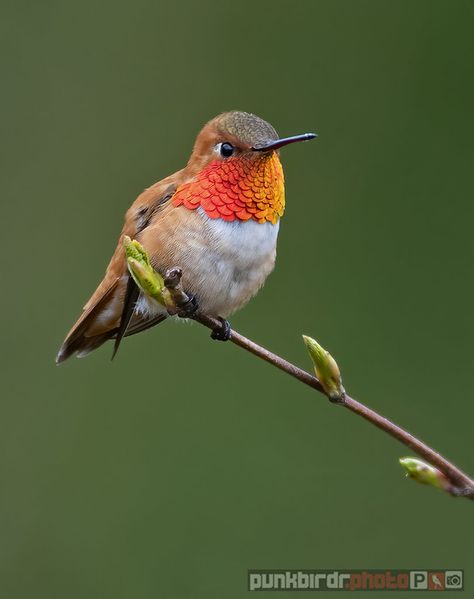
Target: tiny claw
[[223, 332], [188, 308]]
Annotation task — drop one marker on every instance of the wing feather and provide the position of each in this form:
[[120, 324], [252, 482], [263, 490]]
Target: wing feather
[[110, 312]]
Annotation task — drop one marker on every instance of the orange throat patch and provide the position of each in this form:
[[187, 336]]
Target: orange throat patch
[[237, 189]]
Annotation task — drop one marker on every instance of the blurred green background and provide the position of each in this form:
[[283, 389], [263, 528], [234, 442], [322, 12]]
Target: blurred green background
[[116, 481]]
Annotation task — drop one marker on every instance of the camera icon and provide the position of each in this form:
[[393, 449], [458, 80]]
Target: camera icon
[[453, 579]]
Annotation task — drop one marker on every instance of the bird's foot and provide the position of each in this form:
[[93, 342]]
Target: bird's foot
[[222, 332], [188, 308]]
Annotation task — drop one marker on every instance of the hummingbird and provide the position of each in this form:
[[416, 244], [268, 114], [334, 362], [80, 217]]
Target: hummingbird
[[217, 219]]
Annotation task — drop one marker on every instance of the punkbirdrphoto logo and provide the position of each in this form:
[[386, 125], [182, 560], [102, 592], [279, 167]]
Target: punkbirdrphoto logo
[[355, 580]]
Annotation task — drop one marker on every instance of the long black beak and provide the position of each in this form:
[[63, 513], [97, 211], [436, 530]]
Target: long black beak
[[279, 143]]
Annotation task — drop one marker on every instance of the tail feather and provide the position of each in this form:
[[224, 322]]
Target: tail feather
[[92, 330], [78, 341], [129, 302]]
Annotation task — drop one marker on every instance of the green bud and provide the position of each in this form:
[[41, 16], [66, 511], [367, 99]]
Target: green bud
[[326, 369], [144, 275], [424, 473]]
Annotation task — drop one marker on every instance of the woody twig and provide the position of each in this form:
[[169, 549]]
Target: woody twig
[[433, 469]]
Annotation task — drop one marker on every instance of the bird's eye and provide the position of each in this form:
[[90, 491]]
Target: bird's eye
[[226, 149]]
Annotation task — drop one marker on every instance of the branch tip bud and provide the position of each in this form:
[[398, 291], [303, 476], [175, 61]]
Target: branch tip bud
[[424, 473]]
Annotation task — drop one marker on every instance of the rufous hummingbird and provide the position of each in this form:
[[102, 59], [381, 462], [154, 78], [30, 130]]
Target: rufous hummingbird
[[217, 219]]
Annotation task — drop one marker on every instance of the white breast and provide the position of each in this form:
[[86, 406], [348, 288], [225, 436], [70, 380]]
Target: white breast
[[235, 264]]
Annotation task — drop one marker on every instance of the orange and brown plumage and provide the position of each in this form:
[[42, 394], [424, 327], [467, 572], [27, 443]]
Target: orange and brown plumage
[[217, 219], [240, 188]]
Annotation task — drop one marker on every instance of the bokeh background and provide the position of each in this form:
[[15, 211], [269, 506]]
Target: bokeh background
[[174, 469]]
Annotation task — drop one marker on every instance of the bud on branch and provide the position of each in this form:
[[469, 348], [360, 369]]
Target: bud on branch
[[326, 369], [424, 473]]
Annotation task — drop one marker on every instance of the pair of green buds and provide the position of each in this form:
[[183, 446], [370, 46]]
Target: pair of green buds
[[327, 371]]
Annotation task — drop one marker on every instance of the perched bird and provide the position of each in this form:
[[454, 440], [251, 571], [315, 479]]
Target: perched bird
[[217, 219]]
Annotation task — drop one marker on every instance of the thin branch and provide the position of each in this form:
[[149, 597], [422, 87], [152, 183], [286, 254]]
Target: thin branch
[[460, 485]]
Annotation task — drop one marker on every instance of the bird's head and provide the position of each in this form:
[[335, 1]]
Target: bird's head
[[235, 169]]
